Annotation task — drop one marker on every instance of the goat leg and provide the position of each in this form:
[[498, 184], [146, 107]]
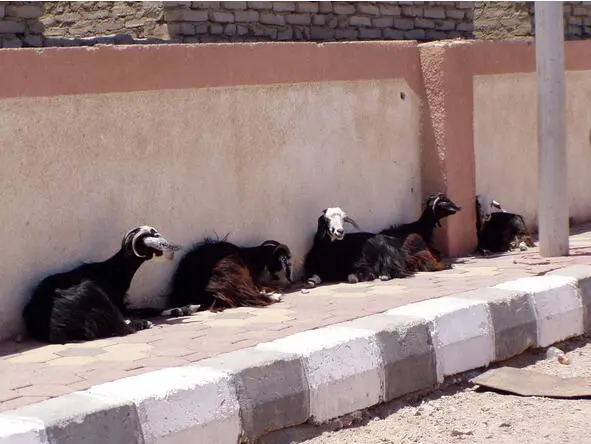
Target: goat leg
[[313, 281]]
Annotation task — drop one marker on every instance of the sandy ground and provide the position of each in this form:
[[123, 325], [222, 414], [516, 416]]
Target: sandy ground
[[462, 412]]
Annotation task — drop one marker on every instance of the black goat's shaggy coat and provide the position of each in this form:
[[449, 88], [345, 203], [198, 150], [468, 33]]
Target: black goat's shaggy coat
[[437, 207], [217, 274], [503, 232], [355, 257], [88, 302]]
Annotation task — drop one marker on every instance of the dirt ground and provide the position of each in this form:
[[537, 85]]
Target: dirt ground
[[462, 412]]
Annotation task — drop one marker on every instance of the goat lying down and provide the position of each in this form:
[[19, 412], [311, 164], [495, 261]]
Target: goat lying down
[[499, 231], [336, 256], [214, 275], [88, 302], [437, 207]]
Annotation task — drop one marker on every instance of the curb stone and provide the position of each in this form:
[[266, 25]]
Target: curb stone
[[317, 375]]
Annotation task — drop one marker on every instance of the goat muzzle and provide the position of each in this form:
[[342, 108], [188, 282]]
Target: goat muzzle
[[160, 244]]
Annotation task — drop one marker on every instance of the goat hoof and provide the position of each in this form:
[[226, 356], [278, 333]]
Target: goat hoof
[[385, 277], [275, 297], [313, 281], [522, 246], [353, 278]]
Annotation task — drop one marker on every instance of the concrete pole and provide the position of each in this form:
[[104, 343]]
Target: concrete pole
[[553, 210]]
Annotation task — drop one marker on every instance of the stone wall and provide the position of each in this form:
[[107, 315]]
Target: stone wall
[[516, 20], [85, 23], [82, 23]]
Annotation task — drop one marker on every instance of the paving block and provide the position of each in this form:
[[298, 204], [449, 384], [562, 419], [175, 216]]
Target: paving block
[[461, 331], [81, 418], [180, 404], [582, 273], [343, 367], [271, 386], [513, 319], [557, 305], [407, 352]]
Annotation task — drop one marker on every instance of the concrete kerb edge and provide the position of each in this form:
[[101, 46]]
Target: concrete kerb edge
[[371, 360]]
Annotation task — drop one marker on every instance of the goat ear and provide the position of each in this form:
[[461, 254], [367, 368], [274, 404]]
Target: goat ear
[[270, 243], [352, 222]]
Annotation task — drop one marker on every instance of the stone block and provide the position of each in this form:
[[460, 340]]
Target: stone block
[[407, 352], [193, 15], [284, 6], [343, 367], [272, 19], [393, 34], [179, 404], [582, 273], [436, 13], [558, 307], [357, 20], [234, 5], [311, 7], [271, 387], [298, 19], [383, 22], [222, 17], [347, 34], [370, 33], [367, 8], [461, 332], [75, 418], [260, 5], [321, 33], [11, 27], [246, 16], [386, 9], [343, 9], [513, 318], [404, 23]]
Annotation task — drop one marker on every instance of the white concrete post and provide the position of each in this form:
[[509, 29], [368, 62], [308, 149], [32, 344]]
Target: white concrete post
[[553, 210]]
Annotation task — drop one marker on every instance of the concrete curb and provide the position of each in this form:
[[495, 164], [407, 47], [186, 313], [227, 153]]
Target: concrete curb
[[316, 375]]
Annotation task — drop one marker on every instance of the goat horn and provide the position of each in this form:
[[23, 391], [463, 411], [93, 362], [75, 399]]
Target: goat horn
[[352, 222]]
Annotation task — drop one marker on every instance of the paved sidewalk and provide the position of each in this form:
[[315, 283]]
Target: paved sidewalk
[[33, 372]]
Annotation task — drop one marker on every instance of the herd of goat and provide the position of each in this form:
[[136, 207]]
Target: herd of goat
[[89, 302]]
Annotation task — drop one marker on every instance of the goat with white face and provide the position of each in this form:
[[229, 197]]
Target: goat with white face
[[498, 230], [337, 256]]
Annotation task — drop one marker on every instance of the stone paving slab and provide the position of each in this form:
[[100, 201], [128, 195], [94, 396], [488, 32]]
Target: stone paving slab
[[33, 372]]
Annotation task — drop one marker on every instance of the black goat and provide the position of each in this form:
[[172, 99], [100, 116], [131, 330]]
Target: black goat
[[437, 207], [353, 257], [215, 275], [499, 231], [88, 302]]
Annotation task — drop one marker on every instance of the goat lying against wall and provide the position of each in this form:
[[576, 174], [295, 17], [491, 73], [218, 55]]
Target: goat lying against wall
[[215, 275], [499, 231], [88, 302], [337, 256], [437, 207]]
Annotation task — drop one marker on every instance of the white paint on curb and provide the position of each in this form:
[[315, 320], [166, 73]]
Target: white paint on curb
[[461, 331], [557, 305], [343, 365], [180, 404], [15, 430]]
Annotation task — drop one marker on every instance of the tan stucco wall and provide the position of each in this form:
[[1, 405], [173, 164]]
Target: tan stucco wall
[[260, 162], [505, 141]]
